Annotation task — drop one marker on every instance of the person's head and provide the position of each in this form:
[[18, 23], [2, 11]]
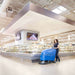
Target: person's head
[[56, 41]]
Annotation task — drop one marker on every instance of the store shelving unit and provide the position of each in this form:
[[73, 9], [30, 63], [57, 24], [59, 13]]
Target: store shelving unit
[[66, 43], [66, 40]]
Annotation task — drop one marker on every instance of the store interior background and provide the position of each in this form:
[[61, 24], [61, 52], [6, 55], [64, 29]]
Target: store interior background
[[47, 28]]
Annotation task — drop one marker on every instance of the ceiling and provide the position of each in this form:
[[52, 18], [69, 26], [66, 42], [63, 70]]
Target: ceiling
[[12, 7], [37, 22], [4, 21], [6, 15], [52, 4], [17, 5]]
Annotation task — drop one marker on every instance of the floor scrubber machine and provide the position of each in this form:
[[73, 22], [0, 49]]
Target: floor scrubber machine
[[47, 56]]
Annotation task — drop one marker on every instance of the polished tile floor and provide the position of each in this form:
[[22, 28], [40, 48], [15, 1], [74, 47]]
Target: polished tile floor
[[11, 67]]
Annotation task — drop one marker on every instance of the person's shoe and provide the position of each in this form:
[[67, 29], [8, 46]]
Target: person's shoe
[[54, 61]]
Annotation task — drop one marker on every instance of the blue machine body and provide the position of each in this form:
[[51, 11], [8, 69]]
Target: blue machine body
[[48, 55]]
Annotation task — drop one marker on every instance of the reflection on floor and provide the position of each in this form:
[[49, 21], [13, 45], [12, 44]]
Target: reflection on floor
[[11, 67]]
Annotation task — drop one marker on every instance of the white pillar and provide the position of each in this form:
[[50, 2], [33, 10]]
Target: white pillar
[[24, 37]]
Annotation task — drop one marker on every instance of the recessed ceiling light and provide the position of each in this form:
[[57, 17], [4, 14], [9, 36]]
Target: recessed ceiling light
[[62, 8], [59, 10]]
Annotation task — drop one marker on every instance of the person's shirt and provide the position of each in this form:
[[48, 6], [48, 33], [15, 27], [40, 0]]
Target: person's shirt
[[56, 45]]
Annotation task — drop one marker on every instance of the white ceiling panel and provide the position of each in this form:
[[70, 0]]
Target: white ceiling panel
[[37, 22]]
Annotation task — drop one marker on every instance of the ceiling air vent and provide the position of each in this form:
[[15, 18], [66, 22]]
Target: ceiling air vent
[[9, 9], [9, 12]]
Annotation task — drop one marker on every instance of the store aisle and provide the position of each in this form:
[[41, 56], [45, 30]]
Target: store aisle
[[10, 67]]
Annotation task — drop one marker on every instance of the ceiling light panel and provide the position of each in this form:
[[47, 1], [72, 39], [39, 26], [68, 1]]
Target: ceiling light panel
[[62, 8], [59, 10]]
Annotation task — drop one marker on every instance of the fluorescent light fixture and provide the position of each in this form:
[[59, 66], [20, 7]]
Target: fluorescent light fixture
[[2, 30], [62, 8], [59, 10]]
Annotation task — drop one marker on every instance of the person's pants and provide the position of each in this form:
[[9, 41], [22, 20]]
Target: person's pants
[[57, 56]]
